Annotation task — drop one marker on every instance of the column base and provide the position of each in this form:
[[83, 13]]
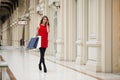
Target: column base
[[60, 47], [59, 56], [93, 66], [79, 60]]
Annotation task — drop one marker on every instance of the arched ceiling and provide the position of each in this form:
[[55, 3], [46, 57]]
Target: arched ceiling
[[6, 9]]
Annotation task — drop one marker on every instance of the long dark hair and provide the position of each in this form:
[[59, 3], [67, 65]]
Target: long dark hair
[[47, 20]]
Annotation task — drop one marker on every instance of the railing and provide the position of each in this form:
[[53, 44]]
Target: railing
[[5, 70], [3, 67]]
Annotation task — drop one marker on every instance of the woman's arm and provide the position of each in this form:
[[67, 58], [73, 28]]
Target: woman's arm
[[48, 29]]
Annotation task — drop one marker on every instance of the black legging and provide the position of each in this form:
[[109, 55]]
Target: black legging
[[42, 54]]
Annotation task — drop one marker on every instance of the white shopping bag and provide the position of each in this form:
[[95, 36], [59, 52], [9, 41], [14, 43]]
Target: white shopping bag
[[39, 42]]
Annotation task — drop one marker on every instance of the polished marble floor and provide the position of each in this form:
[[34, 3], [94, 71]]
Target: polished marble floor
[[24, 66]]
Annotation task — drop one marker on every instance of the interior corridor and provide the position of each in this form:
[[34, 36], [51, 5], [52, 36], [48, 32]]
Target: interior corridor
[[24, 66]]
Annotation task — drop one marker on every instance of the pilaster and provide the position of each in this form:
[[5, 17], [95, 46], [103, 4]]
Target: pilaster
[[81, 31], [60, 36], [69, 30], [106, 35], [94, 36], [33, 19]]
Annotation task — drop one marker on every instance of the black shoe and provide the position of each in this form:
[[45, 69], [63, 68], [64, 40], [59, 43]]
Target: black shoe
[[45, 70], [40, 67]]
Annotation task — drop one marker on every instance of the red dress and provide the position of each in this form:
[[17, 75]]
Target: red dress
[[44, 36]]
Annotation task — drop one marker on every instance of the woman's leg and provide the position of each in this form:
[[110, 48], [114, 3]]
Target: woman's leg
[[42, 52], [43, 59], [40, 59]]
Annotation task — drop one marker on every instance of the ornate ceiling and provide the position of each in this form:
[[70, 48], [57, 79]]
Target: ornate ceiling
[[6, 8]]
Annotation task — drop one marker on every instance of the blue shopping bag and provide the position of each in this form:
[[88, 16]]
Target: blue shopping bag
[[33, 43]]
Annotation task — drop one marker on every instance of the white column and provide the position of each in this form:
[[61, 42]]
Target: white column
[[81, 31], [94, 36], [69, 30], [80, 25], [33, 25], [60, 28], [106, 36], [53, 28]]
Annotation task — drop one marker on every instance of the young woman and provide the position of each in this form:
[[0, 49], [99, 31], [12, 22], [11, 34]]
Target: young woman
[[43, 30]]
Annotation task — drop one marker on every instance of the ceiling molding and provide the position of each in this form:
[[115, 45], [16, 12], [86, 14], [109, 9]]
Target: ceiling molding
[[7, 7]]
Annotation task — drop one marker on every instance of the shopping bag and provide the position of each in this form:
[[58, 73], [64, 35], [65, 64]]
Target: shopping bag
[[33, 43], [39, 42]]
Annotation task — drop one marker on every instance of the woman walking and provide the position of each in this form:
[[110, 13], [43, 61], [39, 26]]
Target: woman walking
[[43, 30]]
